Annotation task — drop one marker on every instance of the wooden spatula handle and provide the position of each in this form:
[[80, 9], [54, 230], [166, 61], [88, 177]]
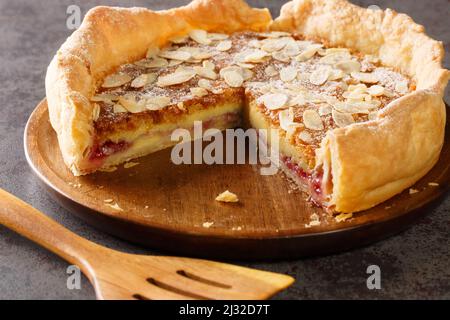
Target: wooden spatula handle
[[36, 226]]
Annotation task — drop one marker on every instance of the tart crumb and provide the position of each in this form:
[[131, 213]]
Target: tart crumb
[[207, 224], [412, 191], [130, 164], [236, 228], [433, 184], [108, 200], [343, 217], [115, 206], [109, 169], [314, 221], [227, 196]]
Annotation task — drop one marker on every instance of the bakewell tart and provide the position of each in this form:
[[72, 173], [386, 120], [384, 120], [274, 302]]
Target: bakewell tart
[[355, 95]]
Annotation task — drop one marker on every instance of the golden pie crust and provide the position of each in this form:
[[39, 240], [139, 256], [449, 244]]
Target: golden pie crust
[[363, 163]]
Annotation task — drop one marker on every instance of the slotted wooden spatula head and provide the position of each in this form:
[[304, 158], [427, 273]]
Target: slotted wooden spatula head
[[125, 276]]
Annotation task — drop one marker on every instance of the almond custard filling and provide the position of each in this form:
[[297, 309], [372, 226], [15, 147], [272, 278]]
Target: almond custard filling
[[274, 80]]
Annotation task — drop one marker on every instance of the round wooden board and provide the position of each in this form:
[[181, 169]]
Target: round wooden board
[[172, 207]]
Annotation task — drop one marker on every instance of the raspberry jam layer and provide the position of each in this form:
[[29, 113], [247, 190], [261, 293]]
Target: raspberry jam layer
[[107, 149], [310, 180]]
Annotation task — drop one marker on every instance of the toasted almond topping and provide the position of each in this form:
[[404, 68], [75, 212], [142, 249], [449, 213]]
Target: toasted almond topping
[[270, 71], [152, 52], [116, 80], [336, 74], [95, 112], [200, 36], [288, 74], [365, 77], [325, 109], [376, 90], [179, 76], [281, 56], [175, 55], [217, 36], [255, 43], [155, 62], [117, 108], [156, 102], [179, 39], [272, 45], [143, 80], [245, 65], [227, 196], [305, 136], [334, 58], [198, 91], [104, 97], [351, 106], [224, 45], [208, 64], [255, 56], [205, 72], [308, 52], [130, 164], [401, 87], [348, 66], [274, 34], [413, 191], [205, 84], [130, 103], [342, 119], [319, 76], [114, 206], [286, 120], [233, 78], [181, 106], [312, 120], [291, 49], [433, 184], [274, 101], [175, 63], [371, 58]]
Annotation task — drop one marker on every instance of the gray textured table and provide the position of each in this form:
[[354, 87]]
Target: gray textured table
[[414, 264]]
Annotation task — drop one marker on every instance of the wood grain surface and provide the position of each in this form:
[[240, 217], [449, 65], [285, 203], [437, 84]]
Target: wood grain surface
[[172, 207]]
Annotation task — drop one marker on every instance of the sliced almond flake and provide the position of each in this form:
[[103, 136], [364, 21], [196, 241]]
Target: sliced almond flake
[[305, 136], [224, 45], [433, 184], [154, 103], [352, 106], [272, 45], [308, 52], [270, 71], [319, 76], [175, 55], [413, 191], [281, 56], [130, 103], [108, 200], [175, 78], [288, 74], [181, 106], [245, 73], [245, 65], [200, 36], [401, 87], [348, 66], [274, 101], [291, 49], [373, 115], [205, 84], [152, 52], [233, 79], [199, 54], [336, 74], [155, 62], [144, 79], [312, 120], [342, 119], [217, 36], [376, 90], [116, 80], [117, 108], [286, 119], [104, 97], [227, 196], [344, 51], [198, 91], [325, 109], [95, 112], [371, 58], [297, 99], [274, 34], [179, 39], [255, 43], [208, 64], [173, 63], [365, 77], [255, 56], [205, 72], [335, 57]]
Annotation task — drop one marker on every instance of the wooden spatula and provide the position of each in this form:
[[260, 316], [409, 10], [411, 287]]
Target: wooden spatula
[[117, 275]]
